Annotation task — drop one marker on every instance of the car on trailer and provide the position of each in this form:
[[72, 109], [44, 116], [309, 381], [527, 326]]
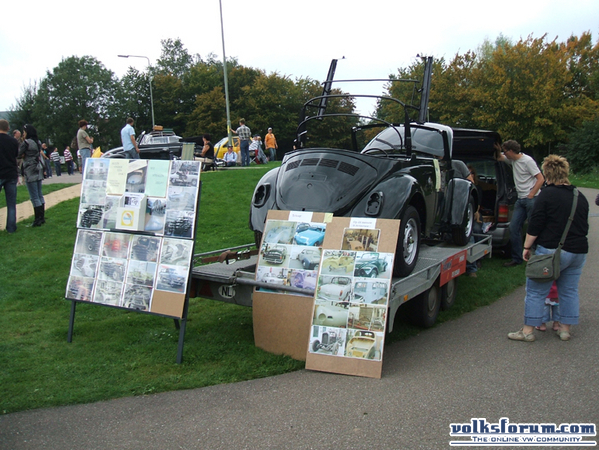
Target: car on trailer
[[405, 172]]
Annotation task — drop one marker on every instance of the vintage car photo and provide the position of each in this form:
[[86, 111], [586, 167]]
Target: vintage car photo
[[363, 344], [372, 292], [329, 341], [279, 232], [336, 261], [364, 317], [309, 258], [336, 289], [311, 234], [303, 279], [404, 172], [274, 254], [373, 265], [330, 314]]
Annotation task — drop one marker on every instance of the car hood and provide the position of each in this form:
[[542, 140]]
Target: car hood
[[327, 180]]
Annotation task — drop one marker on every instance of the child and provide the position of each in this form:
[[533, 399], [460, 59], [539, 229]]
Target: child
[[551, 311]]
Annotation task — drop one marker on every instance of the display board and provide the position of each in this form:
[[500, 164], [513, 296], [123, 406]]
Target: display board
[[348, 262], [136, 225]]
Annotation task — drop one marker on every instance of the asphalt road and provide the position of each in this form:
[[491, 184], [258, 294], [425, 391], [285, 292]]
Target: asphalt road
[[460, 370]]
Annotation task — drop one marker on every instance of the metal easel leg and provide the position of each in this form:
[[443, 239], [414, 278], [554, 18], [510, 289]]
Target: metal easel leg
[[71, 321]]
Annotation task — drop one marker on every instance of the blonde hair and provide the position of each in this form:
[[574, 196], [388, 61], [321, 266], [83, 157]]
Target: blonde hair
[[556, 169]]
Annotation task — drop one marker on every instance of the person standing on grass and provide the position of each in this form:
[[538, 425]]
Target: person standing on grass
[[84, 142], [245, 135], [270, 142], [528, 180], [68, 159], [9, 174], [34, 173]]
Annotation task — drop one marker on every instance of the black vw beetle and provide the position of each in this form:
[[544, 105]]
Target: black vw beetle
[[405, 172]]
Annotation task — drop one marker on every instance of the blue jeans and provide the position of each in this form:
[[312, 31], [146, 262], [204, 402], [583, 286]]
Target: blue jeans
[[10, 192], [551, 313], [85, 153], [244, 148], [571, 265], [273, 153], [131, 154], [35, 193], [57, 168], [70, 167], [48, 167], [477, 228], [522, 211]]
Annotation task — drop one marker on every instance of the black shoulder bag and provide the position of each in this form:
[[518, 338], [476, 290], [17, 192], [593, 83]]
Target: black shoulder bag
[[542, 268]]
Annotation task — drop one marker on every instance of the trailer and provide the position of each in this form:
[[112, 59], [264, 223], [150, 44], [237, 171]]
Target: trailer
[[230, 276]]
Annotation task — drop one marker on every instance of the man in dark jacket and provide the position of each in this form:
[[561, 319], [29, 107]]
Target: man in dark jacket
[[9, 148]]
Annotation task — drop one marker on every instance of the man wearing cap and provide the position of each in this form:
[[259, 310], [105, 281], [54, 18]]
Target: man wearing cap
[[270, 142], [245, 135], [130, 148]]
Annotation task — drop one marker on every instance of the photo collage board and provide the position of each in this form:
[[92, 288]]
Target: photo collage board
[[145, 268], [348, 264]]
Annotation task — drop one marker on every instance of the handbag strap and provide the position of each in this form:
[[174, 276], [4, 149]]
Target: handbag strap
[[570, 219]]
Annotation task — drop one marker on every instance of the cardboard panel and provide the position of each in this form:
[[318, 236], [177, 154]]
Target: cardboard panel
[[168, 303]]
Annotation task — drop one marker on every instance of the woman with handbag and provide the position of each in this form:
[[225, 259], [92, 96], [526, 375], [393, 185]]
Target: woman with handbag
[[33, 171], [558, 226]]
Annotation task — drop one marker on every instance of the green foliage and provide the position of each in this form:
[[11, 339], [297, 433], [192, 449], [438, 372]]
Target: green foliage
[[78, 88], [582, 150]]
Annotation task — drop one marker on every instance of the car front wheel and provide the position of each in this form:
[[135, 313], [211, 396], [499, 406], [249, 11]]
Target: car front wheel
[[408, 243]]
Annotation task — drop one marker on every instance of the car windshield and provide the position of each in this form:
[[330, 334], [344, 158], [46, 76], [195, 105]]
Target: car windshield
[[392, 139]]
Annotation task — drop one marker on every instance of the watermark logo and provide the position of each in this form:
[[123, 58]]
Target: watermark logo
[[503, 433]]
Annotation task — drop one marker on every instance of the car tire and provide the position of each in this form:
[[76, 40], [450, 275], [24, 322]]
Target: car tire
[[408, 243], [315, 345], [448, 294], [374, 273], [462, 232], [424, 309]]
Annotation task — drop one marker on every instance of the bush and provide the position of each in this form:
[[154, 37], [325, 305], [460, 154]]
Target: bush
[[583, 148]]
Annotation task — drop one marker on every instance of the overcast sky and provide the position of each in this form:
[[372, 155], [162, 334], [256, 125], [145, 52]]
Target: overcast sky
[[293, 38]]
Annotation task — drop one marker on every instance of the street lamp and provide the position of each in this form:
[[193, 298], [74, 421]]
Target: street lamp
[[151, 78]]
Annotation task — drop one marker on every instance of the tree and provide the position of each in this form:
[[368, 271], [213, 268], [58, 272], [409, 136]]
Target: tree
[[174, 59], [78, 88], [22, 112], [582, 150]]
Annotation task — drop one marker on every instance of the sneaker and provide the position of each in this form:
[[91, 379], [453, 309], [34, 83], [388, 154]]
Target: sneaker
[[520, 336]]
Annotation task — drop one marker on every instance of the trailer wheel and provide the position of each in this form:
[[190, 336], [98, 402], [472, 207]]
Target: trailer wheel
[[425, 307], [462, 232], [448, 294], [408, 243]]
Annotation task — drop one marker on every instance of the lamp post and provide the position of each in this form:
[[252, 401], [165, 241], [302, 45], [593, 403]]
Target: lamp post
[[151, 78], [222, 31]]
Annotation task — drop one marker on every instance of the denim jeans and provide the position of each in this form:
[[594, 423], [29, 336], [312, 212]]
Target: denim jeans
[[70, 167], [85, 153], [273, 153], [48, 164], [57, 168], [571, 265], [131, 154], [35, 193], [10, 192], [522, 211], [477, 228], [244, 148]]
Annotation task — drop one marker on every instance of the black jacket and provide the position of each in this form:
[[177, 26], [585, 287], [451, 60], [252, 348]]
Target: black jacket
[[550, 215]]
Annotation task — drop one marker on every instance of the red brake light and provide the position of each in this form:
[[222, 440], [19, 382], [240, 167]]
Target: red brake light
[[502, 213]]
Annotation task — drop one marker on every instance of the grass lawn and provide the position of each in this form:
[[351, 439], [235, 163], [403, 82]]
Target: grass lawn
[[117, 353]]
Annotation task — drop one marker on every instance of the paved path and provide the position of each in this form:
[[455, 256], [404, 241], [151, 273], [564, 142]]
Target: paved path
[[460, 370], [25, 209]]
